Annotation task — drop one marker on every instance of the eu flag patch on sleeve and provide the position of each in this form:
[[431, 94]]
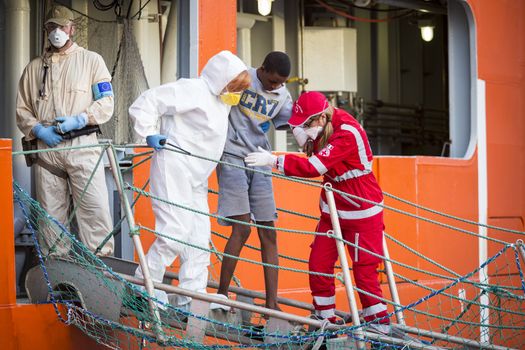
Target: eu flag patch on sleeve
[[101, 90]]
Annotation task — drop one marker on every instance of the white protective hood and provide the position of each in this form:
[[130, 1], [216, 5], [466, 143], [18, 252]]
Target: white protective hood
[[221, 69], [191, 114]]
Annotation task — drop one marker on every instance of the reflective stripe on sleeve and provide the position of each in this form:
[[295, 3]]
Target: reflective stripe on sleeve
[[352, 174], [317, 164], [353, 214], [361, 149]]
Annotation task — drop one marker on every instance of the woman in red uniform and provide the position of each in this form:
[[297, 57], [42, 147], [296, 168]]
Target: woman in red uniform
[[337, 148]]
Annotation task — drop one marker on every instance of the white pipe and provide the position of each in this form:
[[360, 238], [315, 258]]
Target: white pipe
[[244, 29], [484, 334], [148, 283], [147, 39], [392, 284], [194, 38], [344, 263], [17, 44], [17, 49], [278, 36], [169, 47], [81, 32]]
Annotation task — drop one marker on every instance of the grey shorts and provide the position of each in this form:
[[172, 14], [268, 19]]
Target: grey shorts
[[244, 192]]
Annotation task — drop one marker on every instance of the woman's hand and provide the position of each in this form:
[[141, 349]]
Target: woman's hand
[[261, 158]]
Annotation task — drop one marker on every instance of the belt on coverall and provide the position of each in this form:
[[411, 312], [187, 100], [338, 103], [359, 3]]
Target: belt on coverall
[[32, 145]]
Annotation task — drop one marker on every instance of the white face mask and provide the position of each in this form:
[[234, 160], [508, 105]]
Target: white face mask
[[58, 38], [300, 136], [313, 132]]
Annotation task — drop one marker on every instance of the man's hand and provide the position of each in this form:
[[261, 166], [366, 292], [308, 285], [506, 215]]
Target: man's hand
[[74, 122], [47, 134], [261, 158], [157, 141]]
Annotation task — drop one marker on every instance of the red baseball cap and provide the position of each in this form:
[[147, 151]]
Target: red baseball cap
[[307, 105]]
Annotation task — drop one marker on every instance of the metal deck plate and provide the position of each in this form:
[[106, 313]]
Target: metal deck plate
[[106, 302]]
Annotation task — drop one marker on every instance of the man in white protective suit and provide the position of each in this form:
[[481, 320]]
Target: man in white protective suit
[[62, 96], [193, 116]]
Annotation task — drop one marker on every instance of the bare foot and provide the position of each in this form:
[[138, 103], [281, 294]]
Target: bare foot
[[273, 306]]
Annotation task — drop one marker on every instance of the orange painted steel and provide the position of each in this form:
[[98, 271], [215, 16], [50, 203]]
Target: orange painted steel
[[25, 326], [217, 28], [7, 242], [501, 56], [449, 185], [29, 326], [444, 184]]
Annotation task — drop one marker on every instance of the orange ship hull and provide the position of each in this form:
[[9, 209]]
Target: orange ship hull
[[449, 185]]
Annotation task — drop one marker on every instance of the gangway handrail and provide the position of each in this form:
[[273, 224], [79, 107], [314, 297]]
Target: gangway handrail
[[135, 235], [418, 332], [270, 312], [392, 283], [234, 289], [259, 295], [336, 231]]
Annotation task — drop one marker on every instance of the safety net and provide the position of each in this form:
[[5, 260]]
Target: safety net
[[438, 307], [113, 39]]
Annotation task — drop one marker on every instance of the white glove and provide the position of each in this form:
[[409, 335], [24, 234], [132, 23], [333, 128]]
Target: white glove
[[261, 158], [300, 136]]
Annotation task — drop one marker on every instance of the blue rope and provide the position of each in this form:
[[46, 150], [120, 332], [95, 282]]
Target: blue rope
[[517, 258]]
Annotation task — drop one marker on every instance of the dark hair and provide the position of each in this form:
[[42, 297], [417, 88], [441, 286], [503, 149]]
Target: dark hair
[[277, 61]]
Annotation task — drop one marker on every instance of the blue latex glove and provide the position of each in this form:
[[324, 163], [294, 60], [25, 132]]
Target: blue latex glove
[[74, 122], [265, 126], [47, 134], [155, 141]]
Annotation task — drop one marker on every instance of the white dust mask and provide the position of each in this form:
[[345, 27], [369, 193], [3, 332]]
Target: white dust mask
[[300, 136], [58, 38], [313, 132]]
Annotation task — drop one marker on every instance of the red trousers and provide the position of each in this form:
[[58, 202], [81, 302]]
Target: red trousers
[[323, 256]]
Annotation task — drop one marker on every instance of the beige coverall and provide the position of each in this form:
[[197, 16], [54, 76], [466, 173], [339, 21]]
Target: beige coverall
[[68, 91]]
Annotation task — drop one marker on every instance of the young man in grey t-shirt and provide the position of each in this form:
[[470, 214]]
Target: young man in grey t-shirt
[[244, 195]]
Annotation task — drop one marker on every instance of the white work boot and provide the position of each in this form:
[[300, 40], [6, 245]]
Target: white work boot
[[217, 306]]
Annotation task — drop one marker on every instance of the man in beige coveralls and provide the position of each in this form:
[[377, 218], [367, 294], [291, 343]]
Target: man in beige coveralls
[[67, 89]]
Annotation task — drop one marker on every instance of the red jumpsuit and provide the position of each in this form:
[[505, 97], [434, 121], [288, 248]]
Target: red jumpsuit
[[346, 163]]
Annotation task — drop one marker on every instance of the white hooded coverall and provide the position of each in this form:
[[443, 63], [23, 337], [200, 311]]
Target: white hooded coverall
[[68, 91], [193, 117]]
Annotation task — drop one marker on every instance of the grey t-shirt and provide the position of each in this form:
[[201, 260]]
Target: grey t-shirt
[[257, 106]]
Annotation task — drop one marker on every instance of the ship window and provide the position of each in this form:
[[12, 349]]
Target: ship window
[[415, 90], [415, 97]]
